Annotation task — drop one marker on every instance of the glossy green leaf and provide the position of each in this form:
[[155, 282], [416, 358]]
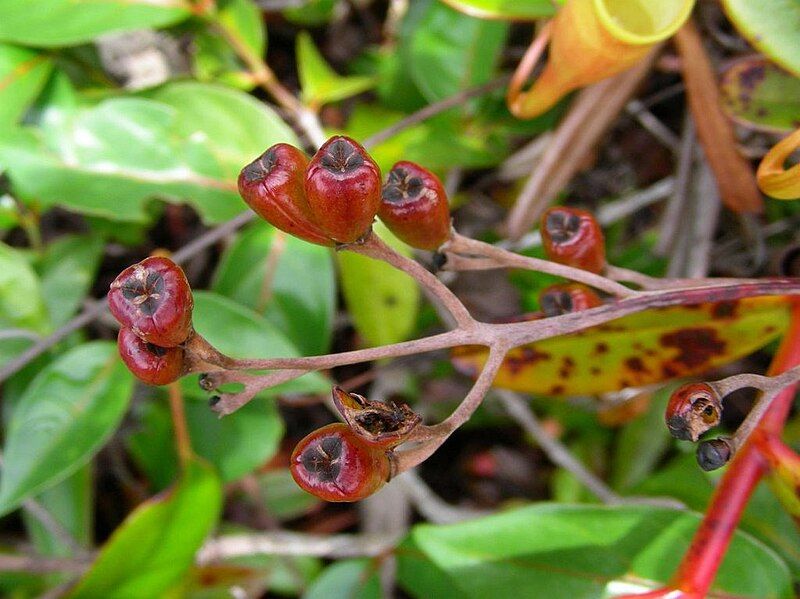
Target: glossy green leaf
[[637, 350], [764, 517], [301, 297], [771, 26], [382, 300], [65, 416], [319, 82], [23, 316], [23, 74], [214, 59], [759, 95], [235, 446], [507, 10], [155, 546], [347, 579], [70, 504], [310, 12], [68, 268], [241, 333], [562, 551], [69, 22], [110, 159], [447, 51], [21, 303]]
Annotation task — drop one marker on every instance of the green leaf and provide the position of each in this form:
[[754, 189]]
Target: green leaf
[[447, 51], [68, 268], [234, 446], [214, 59], [65, 416], [759, 95], [319, 82], [764, 517], [311, 12], [347, 579], [155, 546], [69, 22], [566, 551], [23, 74], [70, 504], [641, 443], [23, 316], [641, 349], [382, 300], [130, 150], [508, 10], [771, 26], [241, 333], [21, 303], [301, 298]]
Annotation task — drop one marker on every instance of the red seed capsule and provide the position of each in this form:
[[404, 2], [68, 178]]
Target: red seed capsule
[[151, 364], [692, 410], [154, 300], [343, 189], [335, 465], [573, 237], [273, 186], [414, 206], [567, 297]]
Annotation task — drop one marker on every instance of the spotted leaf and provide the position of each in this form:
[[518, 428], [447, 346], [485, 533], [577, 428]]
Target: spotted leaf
[[641, 349]]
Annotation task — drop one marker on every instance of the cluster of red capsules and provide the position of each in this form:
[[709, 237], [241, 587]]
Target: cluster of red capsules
[[153, 302], [334, 196]]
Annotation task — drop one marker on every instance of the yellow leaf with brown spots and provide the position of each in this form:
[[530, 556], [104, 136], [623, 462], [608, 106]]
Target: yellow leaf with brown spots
[[640, 349]]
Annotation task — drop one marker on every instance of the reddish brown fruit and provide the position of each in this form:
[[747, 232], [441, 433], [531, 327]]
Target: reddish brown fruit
[[573, 237], [567, 297], [154, 300], [692, 410], [151, 364], [343, 189], [273, 186], [414, 206], [335, 465]]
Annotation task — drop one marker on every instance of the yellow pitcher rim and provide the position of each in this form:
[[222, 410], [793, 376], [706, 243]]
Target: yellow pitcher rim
[[624, 35]]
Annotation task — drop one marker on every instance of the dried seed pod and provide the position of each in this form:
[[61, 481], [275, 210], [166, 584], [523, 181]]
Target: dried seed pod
[[334, 464], [154, 300], [273, 186], [567, 297], [573, 237], [714, 453], [414, 206], [692, 410], [149, 363], [376, 423], [343, 189]]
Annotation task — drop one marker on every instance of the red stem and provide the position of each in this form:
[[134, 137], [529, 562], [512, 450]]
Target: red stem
[[702, 560]]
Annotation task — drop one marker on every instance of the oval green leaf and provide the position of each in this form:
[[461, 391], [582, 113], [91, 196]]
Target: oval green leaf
[[300, 299], [447, 51], [23, 74], [69, 22], [563, 551], [65, 416], [155, 546], [241, 333], [163, 146], [761, 96], [382, 300], [637, 350], [771, 26]]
